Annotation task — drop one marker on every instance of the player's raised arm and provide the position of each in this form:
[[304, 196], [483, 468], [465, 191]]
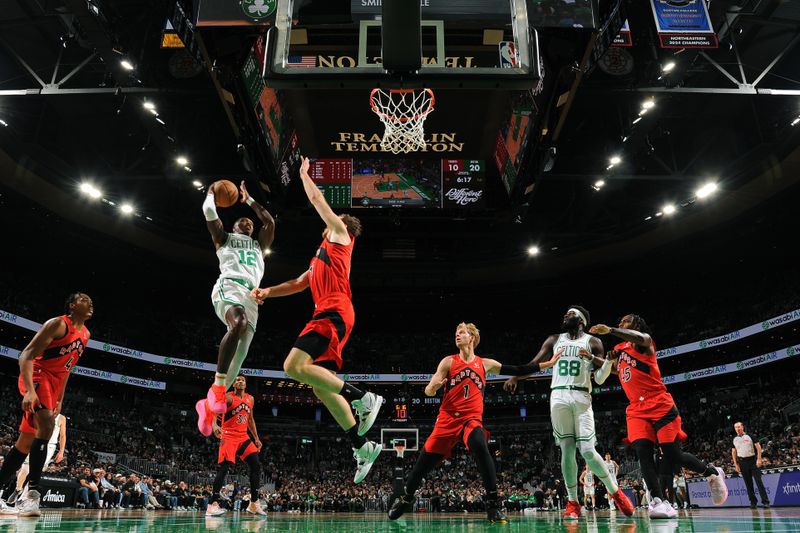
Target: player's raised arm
[[439, 378], [545, 353], [52, 329], [267, 232], [631, 335], [496, 367], [218, 234], [336, 226], [287, 288]]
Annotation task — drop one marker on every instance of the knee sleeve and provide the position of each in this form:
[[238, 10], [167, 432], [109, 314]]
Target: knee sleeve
[[238, 357]]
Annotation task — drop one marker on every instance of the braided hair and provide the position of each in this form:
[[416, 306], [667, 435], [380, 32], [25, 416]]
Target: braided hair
[[638, 323]]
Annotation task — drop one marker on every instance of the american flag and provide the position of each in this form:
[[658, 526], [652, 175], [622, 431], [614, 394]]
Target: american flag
[[302, 61]]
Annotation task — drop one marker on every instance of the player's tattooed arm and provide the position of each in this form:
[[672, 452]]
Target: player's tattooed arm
[[336, 226], [631, 335], [267, 232], [52, 329], [545, 354], [439, 378], [495, 367]]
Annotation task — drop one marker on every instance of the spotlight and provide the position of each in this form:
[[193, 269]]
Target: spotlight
[[706, 190], [268, 251], [599, 183], [647, 218], [127, 65], [187, 169], [637, 120], [615, 160], [126, 209], [668, 66], [90, 190], [149, 105], [161, 121], [794, 122], [533, 250], [625, 138], [648, 104], [668, 209], [197, 183], [5, 124], [182, 160], [153, 111]]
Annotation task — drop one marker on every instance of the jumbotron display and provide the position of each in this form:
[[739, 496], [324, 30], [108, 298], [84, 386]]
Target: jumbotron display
[[449, 183]]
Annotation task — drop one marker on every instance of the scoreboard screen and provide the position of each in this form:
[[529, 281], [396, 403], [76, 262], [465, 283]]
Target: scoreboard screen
[[334, 178], [463, 183], [400, 405]]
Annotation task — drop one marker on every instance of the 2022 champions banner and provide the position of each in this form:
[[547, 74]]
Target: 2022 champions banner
[[783, 488], [683, 24]]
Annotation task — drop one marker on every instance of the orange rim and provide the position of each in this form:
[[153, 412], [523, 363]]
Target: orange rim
[[392, 118]]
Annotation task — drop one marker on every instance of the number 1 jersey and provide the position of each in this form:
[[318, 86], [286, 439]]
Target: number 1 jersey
[[463, 396]]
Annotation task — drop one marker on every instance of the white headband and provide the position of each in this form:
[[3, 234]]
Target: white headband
[[580, 315]]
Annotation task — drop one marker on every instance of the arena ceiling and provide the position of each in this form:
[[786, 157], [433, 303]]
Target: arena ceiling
[[73, 113]]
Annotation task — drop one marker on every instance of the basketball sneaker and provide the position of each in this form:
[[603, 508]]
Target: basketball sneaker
[[622, 502], [217, 402], [401, 505], [365, 458], [12, 498], [719, 490], [7, 509], [255, 508], [366, 409], [214, 509], [495, 516], [30, 505], [572, 511], [661, 509], [204, 417]]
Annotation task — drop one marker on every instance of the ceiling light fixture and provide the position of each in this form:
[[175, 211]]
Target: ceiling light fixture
[[149, 105], [197, 183], [181, 160], [794, 122], [599, 183], [668, 66], [533, 250], [668, 209], [637, 120], [615, 160], [648, 104], [127, 65], [126, 209], [5, 124], [706, 190]]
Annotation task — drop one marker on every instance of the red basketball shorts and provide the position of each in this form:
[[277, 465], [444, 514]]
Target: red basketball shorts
[[232, 448], [656, 419], [450, 429], [47, 389], [325, 335]]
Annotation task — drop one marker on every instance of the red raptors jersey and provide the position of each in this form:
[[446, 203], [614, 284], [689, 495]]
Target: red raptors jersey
[[329, 272], [638, 372], [235, 419], [463, 396], [61, 355]]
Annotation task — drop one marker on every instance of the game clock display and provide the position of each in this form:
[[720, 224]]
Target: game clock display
[[399, 411], [463, 183]]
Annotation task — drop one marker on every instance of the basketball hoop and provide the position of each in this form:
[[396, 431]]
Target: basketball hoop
[[400, 449], [403, 112]]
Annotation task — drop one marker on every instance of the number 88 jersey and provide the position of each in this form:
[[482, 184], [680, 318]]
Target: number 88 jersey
[[572, 371]]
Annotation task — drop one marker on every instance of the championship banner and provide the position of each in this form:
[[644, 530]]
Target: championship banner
[[11, 353], [236, 12], [783, 489], [623, 38], [683, 24]]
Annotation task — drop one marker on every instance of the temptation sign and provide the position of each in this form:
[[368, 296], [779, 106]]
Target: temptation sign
[[364, 142]]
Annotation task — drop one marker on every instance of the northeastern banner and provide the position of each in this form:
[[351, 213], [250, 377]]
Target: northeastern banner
[[683, 24]]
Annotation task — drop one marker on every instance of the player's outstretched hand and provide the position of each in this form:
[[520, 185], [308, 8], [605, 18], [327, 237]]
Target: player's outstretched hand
[[30, 401], [259, 295], [243, 194], [304, 166], [511, 384], [599, 329], [586, 354], [553, 360]]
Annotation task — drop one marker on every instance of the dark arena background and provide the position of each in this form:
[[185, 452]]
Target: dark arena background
[[626, 156]]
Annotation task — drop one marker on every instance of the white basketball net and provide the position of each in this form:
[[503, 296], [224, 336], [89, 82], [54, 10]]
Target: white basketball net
[[403, 112]]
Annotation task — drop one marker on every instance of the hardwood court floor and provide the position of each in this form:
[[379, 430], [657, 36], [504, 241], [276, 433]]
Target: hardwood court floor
[[776, 520]]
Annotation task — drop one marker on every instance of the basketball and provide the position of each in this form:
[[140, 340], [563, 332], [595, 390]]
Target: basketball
[[225, 193]]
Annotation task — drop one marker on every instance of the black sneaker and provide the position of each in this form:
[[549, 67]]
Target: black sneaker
[[401, 505], [495, 516], [12, 498]]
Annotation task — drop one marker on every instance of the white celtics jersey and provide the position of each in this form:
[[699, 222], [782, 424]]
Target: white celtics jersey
[[588, 479], [240, 258], [572, 371], [611, 468], [56, 432]]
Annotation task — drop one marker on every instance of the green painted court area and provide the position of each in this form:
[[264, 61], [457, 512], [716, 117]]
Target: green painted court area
[[696, 521]]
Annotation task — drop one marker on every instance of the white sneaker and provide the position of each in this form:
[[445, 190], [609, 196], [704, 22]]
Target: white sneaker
[[660, 509], [255, 508], [7, 509], [719, 490], [365, 458], [367, 411], [30, 505], [214, 509]]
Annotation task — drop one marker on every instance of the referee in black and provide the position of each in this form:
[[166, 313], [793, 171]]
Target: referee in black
[[747, 460]]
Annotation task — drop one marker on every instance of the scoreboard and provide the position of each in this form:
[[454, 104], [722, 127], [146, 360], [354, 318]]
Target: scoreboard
[[463, 183], [333, 177], [400, 405]]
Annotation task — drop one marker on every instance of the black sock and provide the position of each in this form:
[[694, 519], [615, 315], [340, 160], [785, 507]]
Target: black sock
[[38, 455], [479, 449], [425, 463], [14, 459], [645, 450], [355, 441], [351, 393], [679, 458]]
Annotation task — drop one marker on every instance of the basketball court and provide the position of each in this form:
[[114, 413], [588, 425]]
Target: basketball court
[[697, 521]]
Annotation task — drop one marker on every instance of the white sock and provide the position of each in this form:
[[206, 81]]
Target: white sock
[[219, 379]]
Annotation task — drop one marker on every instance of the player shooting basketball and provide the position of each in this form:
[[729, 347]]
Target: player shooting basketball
[[241, 267]]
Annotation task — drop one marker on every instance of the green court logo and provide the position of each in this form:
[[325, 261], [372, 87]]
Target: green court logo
[[257, 10], [106, 346], [703, 344], [123, 379], [167, 360], [790, 351], [765, 325]]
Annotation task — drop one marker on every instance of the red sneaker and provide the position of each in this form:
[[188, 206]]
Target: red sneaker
[[572, 511], [217, 402], [204, 417], [623, 502]]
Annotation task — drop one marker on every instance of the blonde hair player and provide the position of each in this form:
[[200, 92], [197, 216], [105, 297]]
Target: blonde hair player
[[571, 407], [241, 267]]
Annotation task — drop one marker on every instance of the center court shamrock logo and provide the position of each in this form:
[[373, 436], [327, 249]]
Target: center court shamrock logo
[[258, 9]]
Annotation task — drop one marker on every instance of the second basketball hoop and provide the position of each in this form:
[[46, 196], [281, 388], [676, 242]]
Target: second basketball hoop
[[403, 112]]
